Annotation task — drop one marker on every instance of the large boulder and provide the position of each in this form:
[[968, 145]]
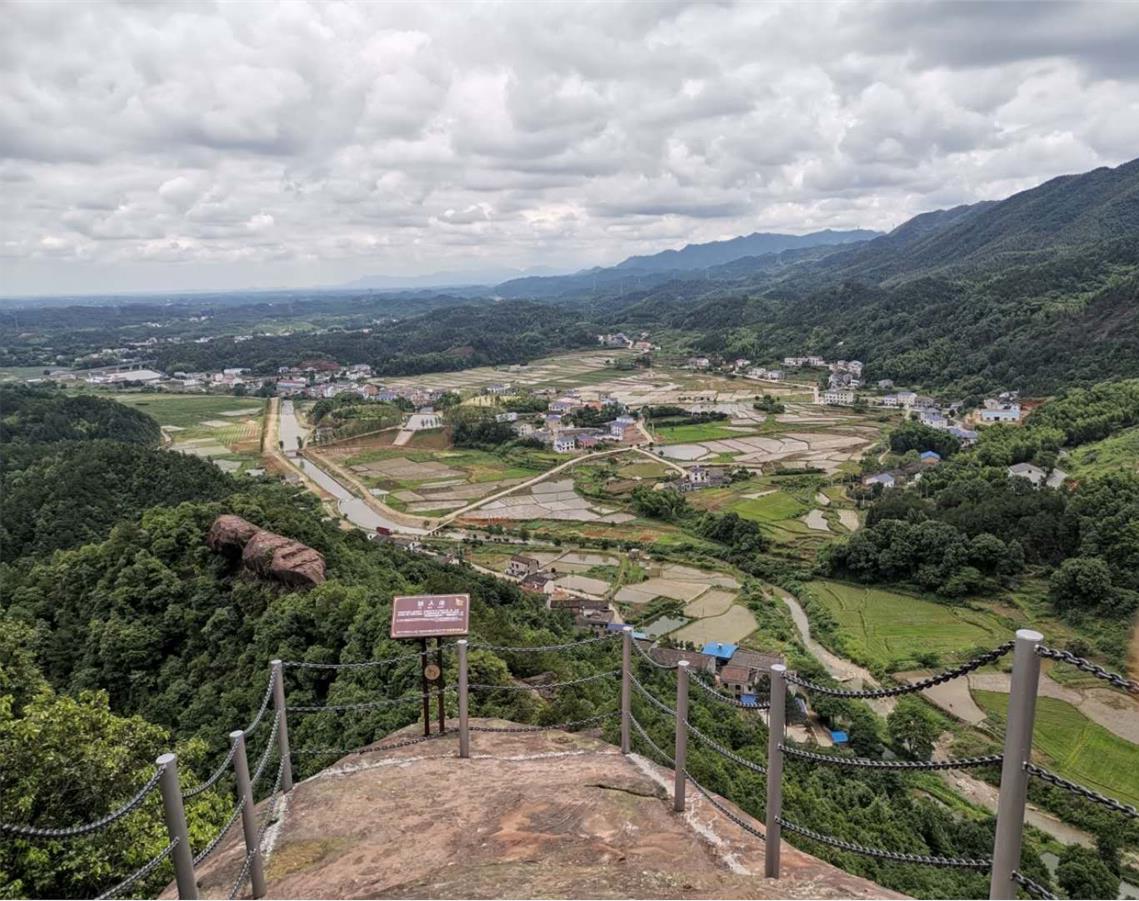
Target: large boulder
[[266, 554]]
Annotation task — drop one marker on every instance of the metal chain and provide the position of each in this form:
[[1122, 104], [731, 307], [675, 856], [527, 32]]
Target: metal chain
[[86, 828], [735, 702], [648, 657], [724, 751], [546, 647], [660, 705], [270, 812], [570, 725], [1031, 886], [264, 705], [369, 705], [217, 839], [652, 744], [270, 746], [882, 854], [1119, 807], [942, 677], [739, 821], [488, 687], [363, 664], [743, 824], [1087, 666], [871, 764], [369, 750], [222, 769], [139, 874]]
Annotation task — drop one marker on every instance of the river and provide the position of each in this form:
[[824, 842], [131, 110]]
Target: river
[[355, 508]]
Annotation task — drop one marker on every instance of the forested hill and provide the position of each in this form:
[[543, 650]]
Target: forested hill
[[1063, 214]]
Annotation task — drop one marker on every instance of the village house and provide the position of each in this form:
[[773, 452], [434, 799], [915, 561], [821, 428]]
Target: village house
[[561, 600], [839, 396], [510, 416], [520, 565], [965, 436], [998, 411], [563, 444], [930, 458], [907, 398], [697, 662], [704, 477], [885, 384], [596, 621], [618, 426], [885, 479], [286, 387], [736, 680], [540, 582]]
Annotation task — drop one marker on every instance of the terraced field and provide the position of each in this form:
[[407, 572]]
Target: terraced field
[[1068, 743], [889, 629]]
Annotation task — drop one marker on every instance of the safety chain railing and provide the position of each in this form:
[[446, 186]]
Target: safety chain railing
[[939, 678], [725, 751], [565, 646], [651, 698], [224, 766], [687, 776], [648, 658], [103, 822], [543, 686], [368, 749], [959, 763], [209, 849], [369, 705], [1128, 685], [1034, 888], [253, 854], [1082, 791], [727, 699], [883, 854], [572, 724], [263, 761], [141, 873], [362, 664]]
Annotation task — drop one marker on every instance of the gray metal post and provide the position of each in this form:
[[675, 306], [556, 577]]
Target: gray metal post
[[175, 813], [775, 728], [1018, 751], [464, 725], [681, 779], [248, 813], [626, 686], [283, 727]]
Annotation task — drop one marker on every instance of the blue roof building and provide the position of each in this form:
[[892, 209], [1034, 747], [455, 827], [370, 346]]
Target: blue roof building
[[721, 650], [930, 457], [839, 737], [749, 700]]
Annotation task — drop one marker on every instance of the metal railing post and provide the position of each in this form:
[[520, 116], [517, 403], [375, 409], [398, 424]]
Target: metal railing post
[[282, 727], [626, 686], [681, 736], [175, 814], [464, 725], [1018, 752], [776, 715], [248, 813]]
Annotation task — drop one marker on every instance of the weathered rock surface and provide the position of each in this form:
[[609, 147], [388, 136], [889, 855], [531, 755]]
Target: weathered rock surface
[[265, 553], [530, 815]]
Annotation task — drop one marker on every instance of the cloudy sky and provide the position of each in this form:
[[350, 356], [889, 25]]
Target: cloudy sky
[[181, 146]]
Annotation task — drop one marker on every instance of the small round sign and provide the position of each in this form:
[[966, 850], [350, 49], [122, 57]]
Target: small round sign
[[431, 672]]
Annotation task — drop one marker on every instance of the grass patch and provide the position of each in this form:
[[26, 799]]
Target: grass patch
[[770, 508], [1070, 744], [1115, 454], [890, 630], [189, 410]]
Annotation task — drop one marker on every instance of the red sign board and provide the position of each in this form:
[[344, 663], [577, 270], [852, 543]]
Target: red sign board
[[430, 615]]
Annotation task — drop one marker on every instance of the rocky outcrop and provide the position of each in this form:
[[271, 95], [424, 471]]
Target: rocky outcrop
[[266, 554], [529, 815]]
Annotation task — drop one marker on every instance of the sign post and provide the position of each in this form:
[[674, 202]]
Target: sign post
[[424, 616]]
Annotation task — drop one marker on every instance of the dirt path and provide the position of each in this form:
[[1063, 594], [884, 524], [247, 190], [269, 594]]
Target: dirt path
[[667, 462], [841, 669], [402, 438]]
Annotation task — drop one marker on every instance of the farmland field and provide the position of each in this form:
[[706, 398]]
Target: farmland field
[[704, 431], [733, 626], [888, 629], [189, 410], [1071, 745], [769, 508]]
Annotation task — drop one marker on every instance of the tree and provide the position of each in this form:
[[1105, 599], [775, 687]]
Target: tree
[[1080, 583], [1082, 874], [912, 729]]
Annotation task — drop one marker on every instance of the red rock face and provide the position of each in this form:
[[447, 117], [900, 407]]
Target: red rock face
[[267, 554]]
